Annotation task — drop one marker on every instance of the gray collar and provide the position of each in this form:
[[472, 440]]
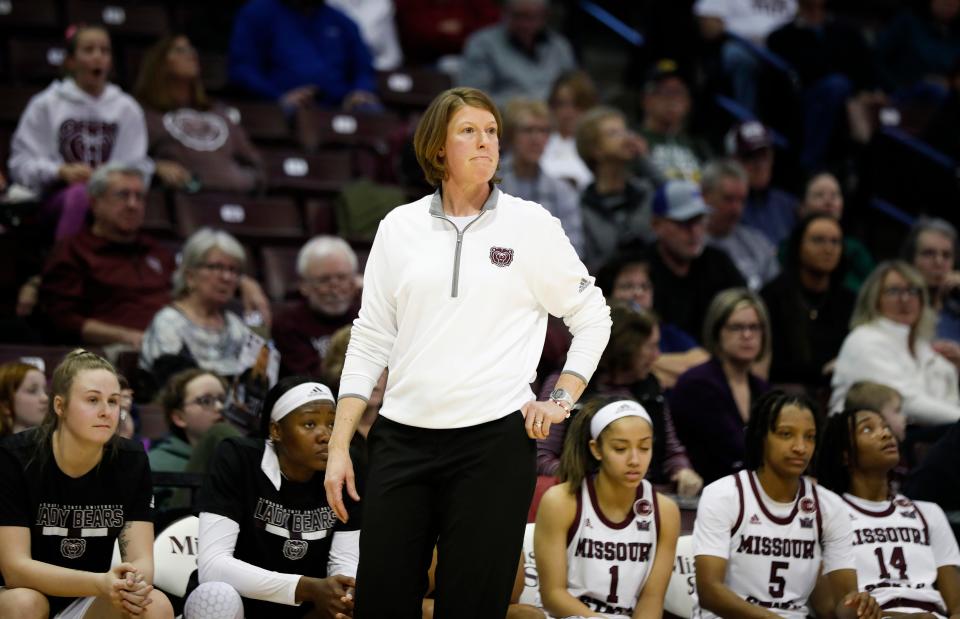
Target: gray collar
[[436, 201]]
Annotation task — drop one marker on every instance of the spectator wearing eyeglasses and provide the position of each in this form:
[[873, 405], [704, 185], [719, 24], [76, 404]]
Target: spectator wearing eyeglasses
[[711, 402], [329, 299], [526, 131], [192, 402], [891, 343], [197, 329], [931, 248], [104, 285]]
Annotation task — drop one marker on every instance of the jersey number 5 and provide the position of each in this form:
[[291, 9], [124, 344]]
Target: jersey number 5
[[777, 582], [897, 561]]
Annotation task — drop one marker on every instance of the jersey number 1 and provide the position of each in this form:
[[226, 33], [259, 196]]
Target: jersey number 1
[[614, 580]]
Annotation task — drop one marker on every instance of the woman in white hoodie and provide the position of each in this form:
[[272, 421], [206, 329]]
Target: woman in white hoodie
[[890, 343], [72, 127]]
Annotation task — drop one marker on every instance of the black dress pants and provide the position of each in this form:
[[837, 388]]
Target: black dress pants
[[465, 490]]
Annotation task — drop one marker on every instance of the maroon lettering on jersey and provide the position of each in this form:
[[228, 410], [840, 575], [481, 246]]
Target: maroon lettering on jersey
[[87, 141]]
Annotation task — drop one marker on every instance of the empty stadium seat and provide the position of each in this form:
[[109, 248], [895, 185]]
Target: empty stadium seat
[[411, 88], [13, 100], [141, 19], [248, 218], [264, 122], [36, 60], [291, 170], [321, 217], [317, 128], [20, 14], [157, 220], [279, 266]]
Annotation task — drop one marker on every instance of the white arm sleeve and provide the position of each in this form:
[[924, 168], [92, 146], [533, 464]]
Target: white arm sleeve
[[216, 563], [375, 329], [837, 534], [716, 515], [564, 287], [344, 554]]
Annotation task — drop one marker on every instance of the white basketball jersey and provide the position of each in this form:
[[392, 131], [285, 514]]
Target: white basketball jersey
[[774, 561], [895, 561], [608, 562]]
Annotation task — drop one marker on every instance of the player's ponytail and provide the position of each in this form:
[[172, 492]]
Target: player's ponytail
[[576, 460]]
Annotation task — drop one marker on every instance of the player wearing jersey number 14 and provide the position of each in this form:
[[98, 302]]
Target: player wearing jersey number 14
[[905, 551]]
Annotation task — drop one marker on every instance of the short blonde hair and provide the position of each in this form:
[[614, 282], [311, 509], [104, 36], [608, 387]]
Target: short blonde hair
[[725, 303], [588, 131], [516, 110], [866, 395], [431, 134], [867, 308]]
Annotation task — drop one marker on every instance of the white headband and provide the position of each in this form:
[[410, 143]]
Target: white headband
[[298, 396], [616, 410]]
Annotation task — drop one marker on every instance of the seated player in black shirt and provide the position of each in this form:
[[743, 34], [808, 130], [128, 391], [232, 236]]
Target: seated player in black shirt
[[270, 545], [69, 489]]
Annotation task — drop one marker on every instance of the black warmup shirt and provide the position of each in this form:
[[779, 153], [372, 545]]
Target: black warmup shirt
[[73, 522]]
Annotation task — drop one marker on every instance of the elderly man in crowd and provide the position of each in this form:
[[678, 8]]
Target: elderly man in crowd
[[725, 190], [104, 285], [328, 271]]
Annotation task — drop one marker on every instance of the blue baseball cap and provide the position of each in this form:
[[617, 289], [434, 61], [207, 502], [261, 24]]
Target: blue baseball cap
[[679, 201]]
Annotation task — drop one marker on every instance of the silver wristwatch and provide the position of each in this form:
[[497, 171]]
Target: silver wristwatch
[[562, 398]]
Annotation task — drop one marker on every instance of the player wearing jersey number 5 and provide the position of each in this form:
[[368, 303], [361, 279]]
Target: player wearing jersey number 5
[[456, 294], [604, 540], [905, 551], [762, 535]]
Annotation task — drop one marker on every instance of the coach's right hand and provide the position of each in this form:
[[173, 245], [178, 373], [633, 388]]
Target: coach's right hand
[[339, 471]]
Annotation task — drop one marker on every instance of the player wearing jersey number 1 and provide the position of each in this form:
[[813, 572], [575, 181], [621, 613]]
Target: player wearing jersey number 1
[[905, 551], [763, 535], [604, 540]]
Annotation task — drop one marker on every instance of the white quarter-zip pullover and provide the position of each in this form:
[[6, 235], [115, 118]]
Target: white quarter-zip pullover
[[459, 315]]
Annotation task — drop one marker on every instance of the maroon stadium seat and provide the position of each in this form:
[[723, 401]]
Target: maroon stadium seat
[[411, 88], [250, 219], [141, 19], [279, 271], [31, 14], [294, 171], [36, 60]]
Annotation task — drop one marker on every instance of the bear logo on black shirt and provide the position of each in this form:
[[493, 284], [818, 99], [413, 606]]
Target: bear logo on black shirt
[[73, 548], [294, 549]]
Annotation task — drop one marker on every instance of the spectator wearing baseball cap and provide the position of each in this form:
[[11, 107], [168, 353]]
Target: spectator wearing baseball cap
[[683, 269], [666, 107], [770, 210]]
